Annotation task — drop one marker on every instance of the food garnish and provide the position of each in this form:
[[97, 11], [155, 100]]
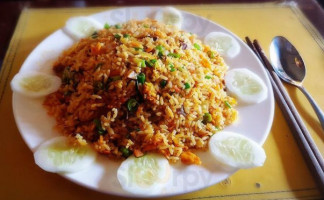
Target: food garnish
[[223, 43], [63, 156], [169, 16], [81, 27], [144, 175], [233, 151], [245, 85], [35, 84]]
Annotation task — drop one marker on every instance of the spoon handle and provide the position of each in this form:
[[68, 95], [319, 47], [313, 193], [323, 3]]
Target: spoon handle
[[316, 108]]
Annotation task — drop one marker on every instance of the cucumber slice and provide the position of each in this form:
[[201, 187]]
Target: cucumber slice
[[234, 151], [35, 84], [144, 175], [58, 155], [246, 85], [223, 43], [169, 16]]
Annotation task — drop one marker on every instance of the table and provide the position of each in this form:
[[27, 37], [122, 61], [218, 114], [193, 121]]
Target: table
[[285, 174]]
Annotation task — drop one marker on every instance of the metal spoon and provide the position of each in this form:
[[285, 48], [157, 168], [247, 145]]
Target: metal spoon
[[290, 67]]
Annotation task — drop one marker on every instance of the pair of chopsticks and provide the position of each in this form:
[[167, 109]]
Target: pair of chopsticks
[[310, 152]]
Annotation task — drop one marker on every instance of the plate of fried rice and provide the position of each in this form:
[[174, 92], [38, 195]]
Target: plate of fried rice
[[142, 86]]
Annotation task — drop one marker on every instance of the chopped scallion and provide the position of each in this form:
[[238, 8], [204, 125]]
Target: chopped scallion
[[106, 26], [160, 54], [174, 55], [142, 63], [138, 49], [163, 83], [160, 48], [187, 85], [99, 128], [117, 36], [132, 105], [125, 152], [94, 35], [228, 104], [197, 46], [208, 77], [126, 35], [172, 69], [115, 78], [118, 26], [211, 54], [151, 63], [141, 78], [207, 118]]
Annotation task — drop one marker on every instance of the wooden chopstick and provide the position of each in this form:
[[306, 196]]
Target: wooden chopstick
[[290, 105], [310, 152]]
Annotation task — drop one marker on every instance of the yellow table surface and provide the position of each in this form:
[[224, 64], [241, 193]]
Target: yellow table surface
[[284, 175]]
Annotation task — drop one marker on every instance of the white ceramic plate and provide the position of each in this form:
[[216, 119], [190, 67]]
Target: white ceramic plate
[[36, 126]]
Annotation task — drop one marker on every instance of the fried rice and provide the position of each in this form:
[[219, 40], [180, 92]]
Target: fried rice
[[142, 87]]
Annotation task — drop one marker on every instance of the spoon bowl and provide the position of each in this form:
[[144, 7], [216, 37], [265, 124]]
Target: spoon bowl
[[290, 67]]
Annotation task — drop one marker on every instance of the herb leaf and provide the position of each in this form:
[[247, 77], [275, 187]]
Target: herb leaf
[[187, 85], [207, 118], [227, 104], [106, 26], [141, 78], [132, 105], [197, 46], [163, 83], [99, 128]]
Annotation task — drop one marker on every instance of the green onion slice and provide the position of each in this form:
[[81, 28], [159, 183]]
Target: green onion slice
[[187, 85], [160, 48], [106, 26], [163, 83], [151, 63], [132, 105], [228, 104], [94, 35], [174, 55], [207, 118], [211, 54], [197, 46], [99, 128], [125, 152], [141, 78], [117, 36], [115, 78]]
